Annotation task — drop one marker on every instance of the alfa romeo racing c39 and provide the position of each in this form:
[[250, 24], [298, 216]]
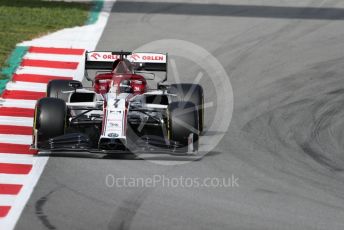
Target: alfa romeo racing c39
[[121, 111]]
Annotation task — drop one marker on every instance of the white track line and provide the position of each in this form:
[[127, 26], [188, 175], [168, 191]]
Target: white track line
[[18, 103], [10, 158], [46, 71], [7, 200], [16, 139], [13, 178], [54, 57], [19, 121], [27, 86]]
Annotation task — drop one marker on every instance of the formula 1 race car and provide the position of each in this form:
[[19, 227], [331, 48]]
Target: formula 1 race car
[[120, 112]]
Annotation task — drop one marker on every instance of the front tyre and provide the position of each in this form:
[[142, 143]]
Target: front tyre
[[192, 93], [50, 119], [183, 125]]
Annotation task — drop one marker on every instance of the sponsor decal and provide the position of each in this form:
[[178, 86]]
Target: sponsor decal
[[153, 58], [135, 57], [112, 135], [103, 56], [116, 112], [95, 55], [110, 57], [112, 124]]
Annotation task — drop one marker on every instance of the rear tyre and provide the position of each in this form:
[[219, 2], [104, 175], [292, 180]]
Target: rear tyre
[[192, 93], [55, 88], [183, 121], [50, 118]]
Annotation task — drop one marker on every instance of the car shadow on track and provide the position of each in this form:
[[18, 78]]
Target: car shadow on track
[[126, 156], [131, 156]]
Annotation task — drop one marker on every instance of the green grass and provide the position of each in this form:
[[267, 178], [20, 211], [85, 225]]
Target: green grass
[[22, 20]]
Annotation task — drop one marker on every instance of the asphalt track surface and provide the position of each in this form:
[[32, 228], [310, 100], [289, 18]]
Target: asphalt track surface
[[285, 142]]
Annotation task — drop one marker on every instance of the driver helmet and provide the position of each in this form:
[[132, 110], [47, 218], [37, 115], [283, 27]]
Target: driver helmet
[[124, 86]]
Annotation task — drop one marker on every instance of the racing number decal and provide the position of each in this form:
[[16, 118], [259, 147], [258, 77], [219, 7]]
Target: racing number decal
[[116, 103]]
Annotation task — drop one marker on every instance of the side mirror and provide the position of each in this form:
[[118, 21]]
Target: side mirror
[[75, 85]]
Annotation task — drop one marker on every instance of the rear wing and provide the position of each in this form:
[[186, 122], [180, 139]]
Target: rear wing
[[103, 60]]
